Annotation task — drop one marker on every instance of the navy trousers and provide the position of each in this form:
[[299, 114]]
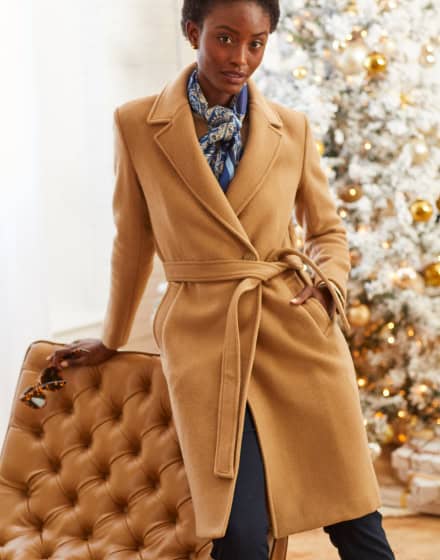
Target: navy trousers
[[362, 538]]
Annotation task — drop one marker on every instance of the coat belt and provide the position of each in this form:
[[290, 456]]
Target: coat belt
[[251, 275]]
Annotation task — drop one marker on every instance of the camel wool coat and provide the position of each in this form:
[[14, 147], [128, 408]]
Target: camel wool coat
[[224, 326]]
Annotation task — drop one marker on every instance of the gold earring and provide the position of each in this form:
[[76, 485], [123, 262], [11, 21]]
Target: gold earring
[[194, 46]]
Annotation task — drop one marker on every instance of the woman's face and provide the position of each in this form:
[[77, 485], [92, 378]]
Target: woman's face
[[231, 44]]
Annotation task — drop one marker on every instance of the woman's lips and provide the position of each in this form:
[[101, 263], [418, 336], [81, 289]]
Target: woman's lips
[[234, 78]]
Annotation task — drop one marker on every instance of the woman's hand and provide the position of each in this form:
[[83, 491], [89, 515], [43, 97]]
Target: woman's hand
[[322, 294], [83, 352]]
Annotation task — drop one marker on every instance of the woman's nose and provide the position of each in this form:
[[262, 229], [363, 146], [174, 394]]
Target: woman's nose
[[239, 56]]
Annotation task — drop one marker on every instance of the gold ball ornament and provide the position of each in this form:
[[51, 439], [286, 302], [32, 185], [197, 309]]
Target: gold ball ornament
[[375, 63], [421, 210], [388, 434], [351, 60], [420, 151], [350, 192], [343, 212], [358, 315], [300, 72], [431, 274], [320, 147]]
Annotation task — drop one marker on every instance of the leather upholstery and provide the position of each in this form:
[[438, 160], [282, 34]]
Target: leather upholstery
[[98, 473]]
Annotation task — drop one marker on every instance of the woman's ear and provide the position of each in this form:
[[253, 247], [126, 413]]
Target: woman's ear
[[192, 33]]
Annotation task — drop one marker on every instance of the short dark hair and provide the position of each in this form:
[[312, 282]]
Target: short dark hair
[[197, 10]]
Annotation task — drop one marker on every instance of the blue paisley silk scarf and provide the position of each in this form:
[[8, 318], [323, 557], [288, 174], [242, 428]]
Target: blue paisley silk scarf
[[224, 125]]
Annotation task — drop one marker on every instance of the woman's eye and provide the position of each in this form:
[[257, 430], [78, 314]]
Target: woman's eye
[[226, 37], [257, 44]]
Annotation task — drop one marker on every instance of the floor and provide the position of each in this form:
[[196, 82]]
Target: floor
[[411, 538]]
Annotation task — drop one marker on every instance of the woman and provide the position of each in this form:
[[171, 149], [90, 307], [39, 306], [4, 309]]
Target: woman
[[262, 385]]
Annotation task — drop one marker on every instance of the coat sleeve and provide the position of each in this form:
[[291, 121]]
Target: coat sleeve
[[325, 236], [133, 246]]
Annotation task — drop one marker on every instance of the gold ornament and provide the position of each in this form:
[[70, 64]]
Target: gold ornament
[[320, 147], [351, 7], [421, 210], [388, 434], [343, 212], [406, 99], [300, 72], [366, 147], [358, 315], [420, 151], [427, 55], [351, 192], [431, 274], [375, 63], [352, 58]]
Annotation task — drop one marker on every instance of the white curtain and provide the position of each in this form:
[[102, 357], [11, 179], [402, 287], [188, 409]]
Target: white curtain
[[23, 278]]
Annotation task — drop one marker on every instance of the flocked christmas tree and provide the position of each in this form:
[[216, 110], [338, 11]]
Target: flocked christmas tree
[[365, 74]]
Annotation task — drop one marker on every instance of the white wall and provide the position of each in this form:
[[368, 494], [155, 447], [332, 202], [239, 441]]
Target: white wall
[[68, 64]]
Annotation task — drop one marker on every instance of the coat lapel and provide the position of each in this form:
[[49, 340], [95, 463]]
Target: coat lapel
[[178, 141]]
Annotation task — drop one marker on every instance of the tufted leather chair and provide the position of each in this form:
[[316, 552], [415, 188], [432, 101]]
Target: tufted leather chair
[[97, 473]]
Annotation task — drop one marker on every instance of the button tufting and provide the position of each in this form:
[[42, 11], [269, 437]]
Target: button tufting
[[136, 450], [87, 532], [105, 475], [147, 386], [123, 508]]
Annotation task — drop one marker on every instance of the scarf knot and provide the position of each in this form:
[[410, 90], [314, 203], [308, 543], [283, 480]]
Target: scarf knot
[[224, 126]]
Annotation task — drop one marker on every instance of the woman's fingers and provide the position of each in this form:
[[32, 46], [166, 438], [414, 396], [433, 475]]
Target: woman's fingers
[[304, 294], [65, 357], [311, 291]]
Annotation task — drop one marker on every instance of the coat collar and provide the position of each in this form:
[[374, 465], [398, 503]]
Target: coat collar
[[178, 141]]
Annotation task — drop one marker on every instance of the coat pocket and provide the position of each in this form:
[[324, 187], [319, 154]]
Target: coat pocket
[[163, 310], [319, 314], [312, 306]]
